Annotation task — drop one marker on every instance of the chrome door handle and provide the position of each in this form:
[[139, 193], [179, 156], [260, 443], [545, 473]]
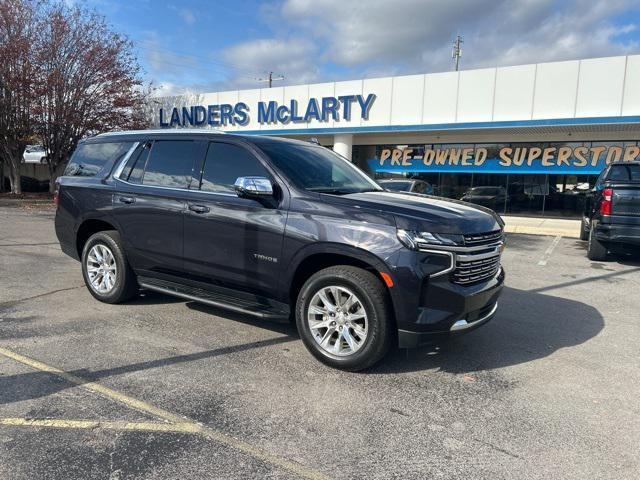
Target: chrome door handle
[[127, 200], [198, 208]]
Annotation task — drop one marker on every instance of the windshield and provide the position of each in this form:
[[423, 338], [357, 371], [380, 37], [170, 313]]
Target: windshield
[[318, 169], [397, 186]]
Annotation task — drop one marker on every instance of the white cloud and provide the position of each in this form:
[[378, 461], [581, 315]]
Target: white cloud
[[417, 34], [296, 58]]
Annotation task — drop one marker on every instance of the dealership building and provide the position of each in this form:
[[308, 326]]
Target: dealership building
[[526, 139]]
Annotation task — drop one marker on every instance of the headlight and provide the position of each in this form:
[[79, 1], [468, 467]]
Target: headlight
[[416, 240]]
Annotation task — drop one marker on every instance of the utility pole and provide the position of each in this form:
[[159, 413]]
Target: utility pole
[[457, 51], [271, 78]]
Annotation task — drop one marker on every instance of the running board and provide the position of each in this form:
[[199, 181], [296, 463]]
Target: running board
[[248, 305]]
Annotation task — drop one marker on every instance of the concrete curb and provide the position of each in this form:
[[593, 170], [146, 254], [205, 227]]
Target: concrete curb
[[541, 231]]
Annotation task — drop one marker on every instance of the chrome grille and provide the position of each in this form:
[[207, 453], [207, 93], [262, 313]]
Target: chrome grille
[[483, 238], [469, 270]]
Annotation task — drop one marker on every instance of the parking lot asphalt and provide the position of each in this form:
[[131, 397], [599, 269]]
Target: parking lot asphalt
[[162, 388]]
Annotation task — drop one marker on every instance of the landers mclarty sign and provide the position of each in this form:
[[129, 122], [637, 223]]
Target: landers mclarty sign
[[320, 109], [522, 159]]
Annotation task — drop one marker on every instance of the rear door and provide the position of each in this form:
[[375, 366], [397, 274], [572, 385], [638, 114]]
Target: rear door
[[231, 241], [150, 200]]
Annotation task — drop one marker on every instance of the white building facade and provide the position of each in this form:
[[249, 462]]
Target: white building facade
[[529, 139]]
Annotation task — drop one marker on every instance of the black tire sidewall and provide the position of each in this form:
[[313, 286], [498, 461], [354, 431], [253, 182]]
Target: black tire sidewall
[[596, 251], [111, 241], [376, 317]]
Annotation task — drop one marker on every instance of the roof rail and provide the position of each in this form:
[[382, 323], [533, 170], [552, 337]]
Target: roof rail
[[162, 130]]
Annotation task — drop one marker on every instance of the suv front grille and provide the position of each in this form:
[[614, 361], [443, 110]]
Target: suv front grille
[[470, 271], [482, 238], [479, 259]]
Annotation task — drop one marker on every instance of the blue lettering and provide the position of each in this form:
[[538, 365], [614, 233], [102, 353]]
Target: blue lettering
[[365, 105], [267, 115], [312, 110], [282, 114], [162, 122], [175, 117], [212, 113], [187, 115], [294, 112], [329, 105], [226, 114], [346, 101], [199, 115], [241, 115]]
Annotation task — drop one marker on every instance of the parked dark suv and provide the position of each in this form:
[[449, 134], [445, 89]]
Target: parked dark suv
[[278, 228]]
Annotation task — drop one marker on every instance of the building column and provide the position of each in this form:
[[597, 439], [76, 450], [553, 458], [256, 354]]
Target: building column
[[343, 144]]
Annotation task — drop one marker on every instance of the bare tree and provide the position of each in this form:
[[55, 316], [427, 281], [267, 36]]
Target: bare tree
[[88, 82], [18, 37]]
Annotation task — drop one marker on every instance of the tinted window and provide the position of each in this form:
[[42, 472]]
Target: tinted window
[[225, 163], [624, 172], [317, 169], [170, 163], [134, 168], [90, 158]]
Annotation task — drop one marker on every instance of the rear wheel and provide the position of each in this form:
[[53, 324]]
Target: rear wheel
[[584, 229], [344, 317], [595, 250], [105, 269]]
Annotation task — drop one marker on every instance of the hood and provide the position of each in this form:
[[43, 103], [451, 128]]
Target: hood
[[429, 214]]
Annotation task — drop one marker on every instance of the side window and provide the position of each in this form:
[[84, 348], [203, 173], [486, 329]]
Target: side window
[[224, 164], [132, 172], [90, 158], [619, 172], [170, 163]]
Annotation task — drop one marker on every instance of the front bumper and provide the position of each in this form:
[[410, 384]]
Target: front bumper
[[446, 309]]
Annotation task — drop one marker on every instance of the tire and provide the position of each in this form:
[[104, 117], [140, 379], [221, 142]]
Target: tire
[[596, 251], [368, 295], [584, 231], [43, 160], [124, 285]]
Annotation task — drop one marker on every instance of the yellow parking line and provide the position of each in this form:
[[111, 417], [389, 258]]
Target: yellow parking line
[[100, 424], [208, 432]]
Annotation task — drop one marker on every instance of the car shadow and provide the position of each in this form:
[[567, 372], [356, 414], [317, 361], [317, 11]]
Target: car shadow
[[528, 326]]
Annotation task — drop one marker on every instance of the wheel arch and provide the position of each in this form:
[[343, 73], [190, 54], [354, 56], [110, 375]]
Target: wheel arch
[[319, 256], [91, 226]]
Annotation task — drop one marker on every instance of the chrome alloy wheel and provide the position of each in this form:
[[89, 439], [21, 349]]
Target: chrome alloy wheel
[[101, 268], [338, 320]]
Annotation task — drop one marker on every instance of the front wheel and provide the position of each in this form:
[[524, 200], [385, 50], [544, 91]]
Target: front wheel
[[105, 269], [343, 316]]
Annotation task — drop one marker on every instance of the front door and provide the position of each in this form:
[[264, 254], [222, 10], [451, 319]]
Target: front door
[[231, 241]]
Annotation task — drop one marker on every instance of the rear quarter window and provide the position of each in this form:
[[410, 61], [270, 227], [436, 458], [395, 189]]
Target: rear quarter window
[[89, 159]]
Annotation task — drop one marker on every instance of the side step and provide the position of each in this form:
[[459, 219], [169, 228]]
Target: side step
[[248, 305]]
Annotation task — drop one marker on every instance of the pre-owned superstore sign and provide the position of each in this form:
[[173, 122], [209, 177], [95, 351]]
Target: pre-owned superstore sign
[[319, 109], [525, 159]]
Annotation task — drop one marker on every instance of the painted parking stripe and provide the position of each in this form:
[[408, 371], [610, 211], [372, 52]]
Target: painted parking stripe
[[547, 254], [184, 427], [207, 432]]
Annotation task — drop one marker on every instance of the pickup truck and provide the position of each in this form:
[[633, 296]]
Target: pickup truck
[[611, 220]]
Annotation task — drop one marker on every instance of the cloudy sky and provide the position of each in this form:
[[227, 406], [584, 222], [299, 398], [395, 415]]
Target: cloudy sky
[[201, 45]]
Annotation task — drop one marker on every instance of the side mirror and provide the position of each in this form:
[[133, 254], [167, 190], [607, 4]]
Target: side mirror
[[253, 187]]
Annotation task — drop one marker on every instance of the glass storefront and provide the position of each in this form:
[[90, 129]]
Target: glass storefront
[[535, 191]]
